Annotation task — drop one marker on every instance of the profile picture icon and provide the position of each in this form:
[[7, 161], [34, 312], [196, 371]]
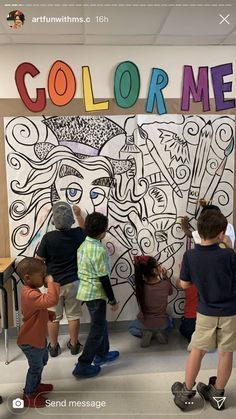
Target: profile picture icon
[[16, 19]]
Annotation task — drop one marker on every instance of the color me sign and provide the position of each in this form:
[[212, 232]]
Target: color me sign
[[61, 87]]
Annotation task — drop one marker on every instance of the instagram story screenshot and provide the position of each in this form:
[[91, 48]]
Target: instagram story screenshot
[[117, 153]]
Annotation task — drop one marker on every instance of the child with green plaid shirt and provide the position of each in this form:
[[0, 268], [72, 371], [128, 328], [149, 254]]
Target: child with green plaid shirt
[[94, 289]]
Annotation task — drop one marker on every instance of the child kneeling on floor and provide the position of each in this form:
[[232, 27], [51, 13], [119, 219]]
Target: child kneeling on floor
[[152, 288], [33, 332]]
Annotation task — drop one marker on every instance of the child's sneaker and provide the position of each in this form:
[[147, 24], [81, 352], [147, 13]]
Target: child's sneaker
[[182, 395], [44, 388], [34, 401], [146, 338], [85, 371], [54, 351], [211, 394], [110, 356], [74, 349]]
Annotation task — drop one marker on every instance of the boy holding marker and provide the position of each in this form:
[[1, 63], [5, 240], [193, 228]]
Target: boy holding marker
[[58, 249], [95, 288]]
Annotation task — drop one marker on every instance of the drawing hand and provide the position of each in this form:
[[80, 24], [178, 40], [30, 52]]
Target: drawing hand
[[163, 271], [203, 202], [227, 241], [114, 307], [77, 210], [185, 223]]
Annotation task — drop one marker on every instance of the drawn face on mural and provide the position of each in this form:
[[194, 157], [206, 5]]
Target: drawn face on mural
[[87, 185]]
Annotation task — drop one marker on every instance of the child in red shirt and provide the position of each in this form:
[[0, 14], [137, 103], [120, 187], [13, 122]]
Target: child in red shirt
[[188, 322], [32, 336]]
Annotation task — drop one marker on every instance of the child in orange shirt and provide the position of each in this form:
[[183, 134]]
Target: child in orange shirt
[[32, 336]]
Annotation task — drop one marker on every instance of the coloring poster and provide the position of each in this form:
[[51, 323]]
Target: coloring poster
[[144, 171]]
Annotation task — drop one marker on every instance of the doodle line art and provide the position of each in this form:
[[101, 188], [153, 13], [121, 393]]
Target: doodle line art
[[144, 171]]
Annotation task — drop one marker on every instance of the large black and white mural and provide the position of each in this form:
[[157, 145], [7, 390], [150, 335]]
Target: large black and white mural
[[144, 171]]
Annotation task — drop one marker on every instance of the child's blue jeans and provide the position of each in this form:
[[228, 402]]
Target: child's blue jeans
[[97, 342], [37, 359], [136, 328]]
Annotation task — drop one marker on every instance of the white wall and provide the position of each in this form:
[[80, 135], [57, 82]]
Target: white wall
[[103, 61]]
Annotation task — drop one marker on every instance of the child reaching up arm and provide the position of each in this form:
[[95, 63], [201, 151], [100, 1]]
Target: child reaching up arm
[[152, 288], [95, 288], [58, 249], [227, 239]]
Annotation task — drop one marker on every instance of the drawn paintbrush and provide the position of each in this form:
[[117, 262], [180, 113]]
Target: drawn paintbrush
[[157, 162], [199, 166]]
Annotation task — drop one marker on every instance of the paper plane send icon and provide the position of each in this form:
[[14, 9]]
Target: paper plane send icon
[[219, 401]]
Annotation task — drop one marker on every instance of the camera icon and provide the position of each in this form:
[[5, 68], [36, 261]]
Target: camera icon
[[18, 403]]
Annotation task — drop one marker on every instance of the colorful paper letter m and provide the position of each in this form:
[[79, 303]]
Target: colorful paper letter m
[[199, 90]]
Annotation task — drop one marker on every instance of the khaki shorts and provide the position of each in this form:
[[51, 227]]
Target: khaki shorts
[[214, 333], [68, 301]]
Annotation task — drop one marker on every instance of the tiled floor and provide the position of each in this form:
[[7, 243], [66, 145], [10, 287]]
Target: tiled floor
[[136, 385]]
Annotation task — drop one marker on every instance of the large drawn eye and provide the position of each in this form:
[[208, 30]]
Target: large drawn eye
[[97, 196], [73, 193]]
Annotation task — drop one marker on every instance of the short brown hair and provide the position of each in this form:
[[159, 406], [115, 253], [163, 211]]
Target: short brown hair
[[210, 224], [95, 224], [29, 266]]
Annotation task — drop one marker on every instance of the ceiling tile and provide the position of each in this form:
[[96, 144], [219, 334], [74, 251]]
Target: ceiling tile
[[125, 20], [143, 22], [48, 39], [185, 21], [188, 40], [119, 40]]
